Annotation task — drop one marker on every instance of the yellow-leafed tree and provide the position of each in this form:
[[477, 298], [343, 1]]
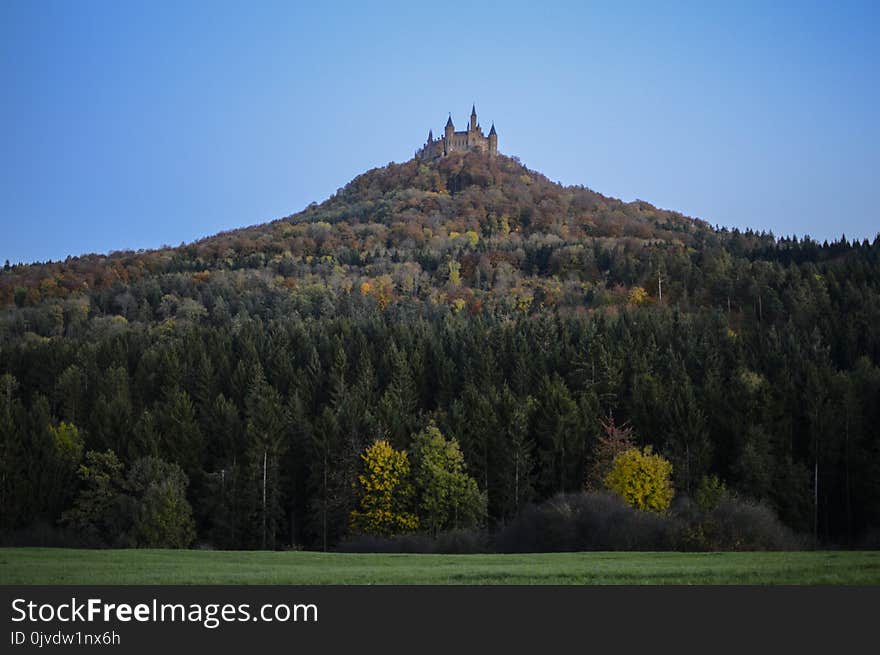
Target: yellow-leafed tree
[[638, 296], [386, 493], [642, 478]]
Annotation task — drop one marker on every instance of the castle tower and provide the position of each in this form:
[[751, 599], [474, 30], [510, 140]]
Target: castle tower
[[448, 137], [430, 136], [474, 118], [493, 141]]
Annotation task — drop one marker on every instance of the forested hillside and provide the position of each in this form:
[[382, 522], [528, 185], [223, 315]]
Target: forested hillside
[[514, 314]]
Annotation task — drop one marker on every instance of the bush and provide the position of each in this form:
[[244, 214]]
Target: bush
[[870, 540], [586, 522], [710, 492], [593, 521], [42, 534], [737, 524]]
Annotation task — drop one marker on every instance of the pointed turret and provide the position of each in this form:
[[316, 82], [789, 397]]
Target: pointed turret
[[493, 141], [447, 137], [473, 117], [430, 136]]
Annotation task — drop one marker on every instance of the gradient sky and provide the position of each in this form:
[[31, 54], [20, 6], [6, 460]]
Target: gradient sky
[[131, 125]]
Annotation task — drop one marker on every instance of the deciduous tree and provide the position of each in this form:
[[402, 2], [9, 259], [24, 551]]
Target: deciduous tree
[[448, 498], [642, 478], [386, 492]]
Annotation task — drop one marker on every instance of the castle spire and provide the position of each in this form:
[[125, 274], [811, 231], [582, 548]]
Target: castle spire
[[474, 117], [493, 141], [430, 136], [449, 122]]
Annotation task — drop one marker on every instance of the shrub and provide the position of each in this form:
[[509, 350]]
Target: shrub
[[709, 493], [43, 534], [587, 521], [737, 524], [593, 521], [871, 539]]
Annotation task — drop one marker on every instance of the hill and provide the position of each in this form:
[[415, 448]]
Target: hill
[[408, 212], [517, 315]]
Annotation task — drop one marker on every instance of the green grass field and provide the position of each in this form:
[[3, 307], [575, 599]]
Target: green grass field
[[69, 566]]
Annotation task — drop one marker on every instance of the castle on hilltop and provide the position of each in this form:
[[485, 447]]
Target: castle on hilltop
[[452, 141]]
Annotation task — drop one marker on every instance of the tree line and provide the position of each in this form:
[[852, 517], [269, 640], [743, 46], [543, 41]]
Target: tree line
[[287, 407]]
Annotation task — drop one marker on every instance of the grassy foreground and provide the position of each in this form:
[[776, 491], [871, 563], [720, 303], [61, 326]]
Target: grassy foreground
[[70, 566]]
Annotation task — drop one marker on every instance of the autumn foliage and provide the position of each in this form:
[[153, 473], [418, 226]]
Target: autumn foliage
[[386, 493], [511, 312], [643, 479], [440, 489]]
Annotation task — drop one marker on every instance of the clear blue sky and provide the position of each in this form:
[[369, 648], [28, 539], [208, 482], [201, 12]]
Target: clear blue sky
[[137, 124]]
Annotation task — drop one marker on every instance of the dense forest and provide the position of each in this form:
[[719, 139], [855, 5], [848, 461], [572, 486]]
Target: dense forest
[[250, 370]]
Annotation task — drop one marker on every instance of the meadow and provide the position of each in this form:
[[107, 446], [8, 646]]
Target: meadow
[[192, 567]]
